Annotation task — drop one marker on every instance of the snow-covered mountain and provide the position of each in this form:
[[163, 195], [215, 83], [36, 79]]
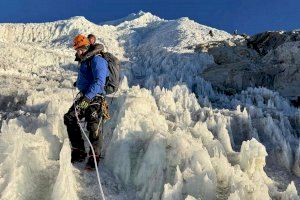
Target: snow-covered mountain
[[171, 135]]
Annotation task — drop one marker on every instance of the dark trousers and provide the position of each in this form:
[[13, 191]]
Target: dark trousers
[[91, 115]]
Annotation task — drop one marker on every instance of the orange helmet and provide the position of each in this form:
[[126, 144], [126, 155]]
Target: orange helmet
[[80, 41]]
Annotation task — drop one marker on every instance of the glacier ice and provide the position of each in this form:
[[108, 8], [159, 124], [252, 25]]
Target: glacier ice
[[171, 135]]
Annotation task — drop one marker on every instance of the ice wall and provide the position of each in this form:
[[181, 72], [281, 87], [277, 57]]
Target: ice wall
[[170, 147], [65, 184]]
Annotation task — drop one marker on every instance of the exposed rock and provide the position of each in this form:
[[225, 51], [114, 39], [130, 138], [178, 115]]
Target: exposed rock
[[264, 42], [287, 83], [238, 76], [270, 59], [226, 55]]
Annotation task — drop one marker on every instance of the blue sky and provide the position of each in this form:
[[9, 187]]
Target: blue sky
[[247, 16]]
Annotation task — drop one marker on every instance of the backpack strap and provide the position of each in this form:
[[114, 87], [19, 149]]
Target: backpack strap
[[89, 64], [89, 61]]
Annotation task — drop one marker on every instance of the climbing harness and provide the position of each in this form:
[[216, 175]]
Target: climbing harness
[[91, 146]]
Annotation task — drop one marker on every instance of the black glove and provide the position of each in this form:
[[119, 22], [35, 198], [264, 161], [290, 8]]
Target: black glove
[[83, 103], [74, 84]]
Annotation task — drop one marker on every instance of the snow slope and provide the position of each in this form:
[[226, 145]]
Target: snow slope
[[170, 137]]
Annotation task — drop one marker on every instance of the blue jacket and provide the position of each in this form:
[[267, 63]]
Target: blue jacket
[[91, 81]]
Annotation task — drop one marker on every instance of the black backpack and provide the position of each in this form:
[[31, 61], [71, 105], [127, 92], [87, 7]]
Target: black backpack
[[112, 81]]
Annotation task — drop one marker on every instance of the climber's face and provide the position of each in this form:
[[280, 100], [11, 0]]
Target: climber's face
[[80, 51], [92, 40]]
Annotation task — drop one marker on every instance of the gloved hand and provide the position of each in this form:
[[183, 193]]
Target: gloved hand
[[83, 103]]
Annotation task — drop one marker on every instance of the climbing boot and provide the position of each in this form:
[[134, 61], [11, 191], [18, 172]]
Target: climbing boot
[[90, 165], [77, 155]]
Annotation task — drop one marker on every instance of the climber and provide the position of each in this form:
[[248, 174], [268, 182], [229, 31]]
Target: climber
[[92, 39], [91, 80], [94, 48]]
